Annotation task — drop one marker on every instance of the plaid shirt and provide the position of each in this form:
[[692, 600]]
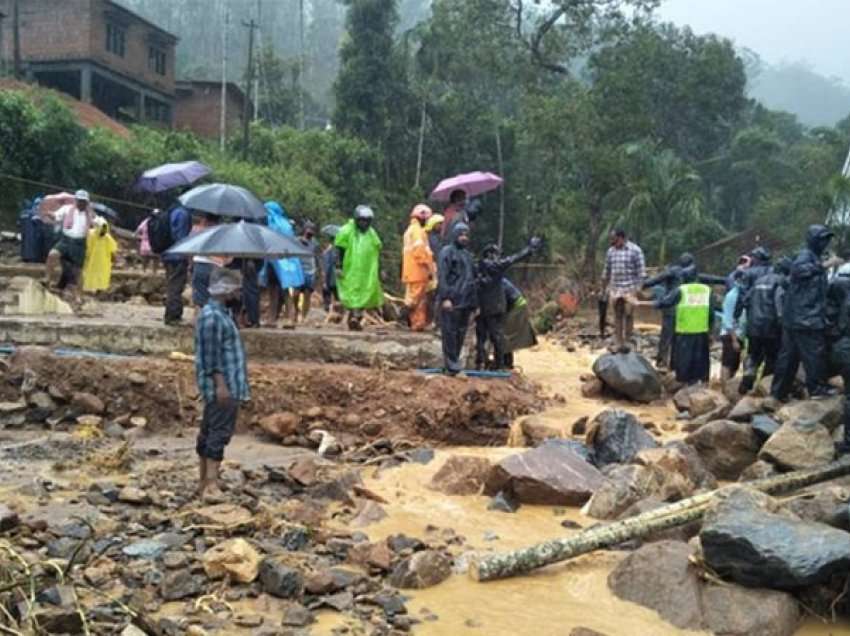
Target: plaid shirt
[[625, 268], [218, 349]]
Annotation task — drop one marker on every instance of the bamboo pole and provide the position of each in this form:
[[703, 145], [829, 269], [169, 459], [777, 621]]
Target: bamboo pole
[[517, 562]]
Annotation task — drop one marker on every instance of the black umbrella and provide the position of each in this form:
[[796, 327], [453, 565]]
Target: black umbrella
[[240, 240], [222, 199], [105, 211]]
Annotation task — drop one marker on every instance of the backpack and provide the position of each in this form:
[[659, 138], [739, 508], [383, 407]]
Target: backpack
[[159, 231]]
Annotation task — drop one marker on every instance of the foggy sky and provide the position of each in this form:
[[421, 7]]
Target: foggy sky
[[778, 30]]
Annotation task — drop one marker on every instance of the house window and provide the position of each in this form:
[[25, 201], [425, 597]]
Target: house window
[[156, 60], [116, 39], [157, 111]]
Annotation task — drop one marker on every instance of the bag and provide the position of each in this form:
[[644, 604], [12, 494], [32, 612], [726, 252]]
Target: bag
[[159, 232]]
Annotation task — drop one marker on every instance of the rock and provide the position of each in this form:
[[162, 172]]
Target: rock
[[536, 431], [580, 426], [746, 408], [726, 447], [87, 404], [137, 379], [592, 388], [66, 547], [305, 471], [113, 430], [179, 584], [461, 475], [373, 555], [551, 474], [132, 630], [745, 541], [826, 412], [145, 549], [227, 515], [175, 560], [100, 571], [423, 569], [368, 512], [626, 486], [503, 502], [799, 444], [681, 459], [699, 400], [341, 602], [236, 558], [54, 620], [758, 470], [660, 576], [732, 610], [280, 580], [8, 518], [822, 504], [41, 400], [280, 425], [615, 437], [133, 495], [10, 408], [678, 533], [630, 375], [296, 615], [764, 426]]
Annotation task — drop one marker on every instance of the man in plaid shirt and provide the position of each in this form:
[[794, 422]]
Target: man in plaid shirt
[[625, 270], [222, 377]]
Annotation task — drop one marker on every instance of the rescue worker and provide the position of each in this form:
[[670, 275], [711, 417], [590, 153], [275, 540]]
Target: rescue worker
[[417, 268], [662, 285], [434, 227], [456, 295], [763, 305], [281, 275], [732, 335], [492, 306], [694, 318], [687, 260], [838, 313], [359, 282], [519, 334], [804, 320]]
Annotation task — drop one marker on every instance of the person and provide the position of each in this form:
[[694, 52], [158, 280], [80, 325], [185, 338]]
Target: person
[[100, 254], [804, 321], [359, 281], [75, 220], [203, 266], [759, 265], [250, 301], [330, 295], [417, 268], [176, 266], [312, 268], [492, 304], [282, 274], [694, 318], [457, 202], [457, 296], [145, 251], [433, 227], [222, 377], [731, 331], [686, 260], [662, 285], [838, 334], [625, 270], [519, 333], [763, 305]]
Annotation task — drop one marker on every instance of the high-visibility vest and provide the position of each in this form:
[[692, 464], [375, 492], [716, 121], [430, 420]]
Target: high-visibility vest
[[693, 310]]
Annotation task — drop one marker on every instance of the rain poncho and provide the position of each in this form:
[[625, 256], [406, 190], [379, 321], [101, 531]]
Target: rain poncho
[[97, 268], [359, 284], [417, 271], [288, 270]]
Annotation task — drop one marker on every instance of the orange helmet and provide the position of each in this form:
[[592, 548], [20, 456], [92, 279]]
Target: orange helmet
[[421, 212]]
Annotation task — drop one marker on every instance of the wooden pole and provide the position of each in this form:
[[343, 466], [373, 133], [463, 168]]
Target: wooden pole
[[501, 188], [508, 564]]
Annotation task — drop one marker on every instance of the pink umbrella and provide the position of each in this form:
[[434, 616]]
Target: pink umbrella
[[473, 183]]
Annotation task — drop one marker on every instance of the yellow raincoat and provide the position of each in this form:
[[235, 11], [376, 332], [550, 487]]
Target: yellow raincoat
[[100, 250]]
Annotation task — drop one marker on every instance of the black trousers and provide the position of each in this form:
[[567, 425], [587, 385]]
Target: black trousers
[[453, 330], [490, 328], [251, 293], [800, 345], [665, 341], [760, 350], [691, 360], [217, 426], [176, 274], [329, 296]]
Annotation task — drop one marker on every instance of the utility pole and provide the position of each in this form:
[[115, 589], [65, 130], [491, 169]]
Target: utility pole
[[256, 99], [16, 38], [2, 51], [301, 64], [246, 122], [222, 125]]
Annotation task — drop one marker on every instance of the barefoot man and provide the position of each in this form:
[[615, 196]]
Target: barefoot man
[[222, 377]]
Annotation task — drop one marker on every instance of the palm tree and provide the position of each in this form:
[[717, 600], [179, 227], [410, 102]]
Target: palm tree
[[663, 190]]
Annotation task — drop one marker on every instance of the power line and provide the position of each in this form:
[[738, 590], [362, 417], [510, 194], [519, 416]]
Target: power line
[[58, 188]]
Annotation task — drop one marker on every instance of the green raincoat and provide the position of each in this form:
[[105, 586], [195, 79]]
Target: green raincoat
[[360, 284]]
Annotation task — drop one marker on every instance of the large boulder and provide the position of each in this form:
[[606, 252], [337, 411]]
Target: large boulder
[[732, 610], [630, 375], [615, 437], [826, 412], [681, 459], [461, 475], [745, 540], [626, 486], [726, 447], [424, 569], [799, 444], [746, 408], [823, 504], [660, 576], [699, 400], [551, 474]]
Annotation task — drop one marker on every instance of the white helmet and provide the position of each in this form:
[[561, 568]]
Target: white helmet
[[363, 212]]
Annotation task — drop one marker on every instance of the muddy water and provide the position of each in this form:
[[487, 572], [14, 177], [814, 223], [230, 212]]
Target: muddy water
[[551, 602]]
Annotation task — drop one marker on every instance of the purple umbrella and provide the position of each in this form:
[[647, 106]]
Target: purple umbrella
[[473, 183], [171, 175]]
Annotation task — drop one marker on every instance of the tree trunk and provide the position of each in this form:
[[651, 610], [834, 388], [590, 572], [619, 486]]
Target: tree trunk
[[499, 566], [419, 149], [501, 188]]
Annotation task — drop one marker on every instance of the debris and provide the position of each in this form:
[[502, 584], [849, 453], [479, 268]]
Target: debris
[[461, 475], [236, 558], [279, 579], [423, 569]]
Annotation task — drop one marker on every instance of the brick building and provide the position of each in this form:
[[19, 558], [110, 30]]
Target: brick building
[[198, 108], [98, 52]]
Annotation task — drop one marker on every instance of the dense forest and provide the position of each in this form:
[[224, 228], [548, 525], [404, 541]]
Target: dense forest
[[595, 113]]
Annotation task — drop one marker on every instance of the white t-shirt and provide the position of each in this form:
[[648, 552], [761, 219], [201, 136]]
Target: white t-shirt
[[79, 227]]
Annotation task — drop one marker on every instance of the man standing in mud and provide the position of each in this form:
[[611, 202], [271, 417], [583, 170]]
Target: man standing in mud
[[623, 277], [222, 377]]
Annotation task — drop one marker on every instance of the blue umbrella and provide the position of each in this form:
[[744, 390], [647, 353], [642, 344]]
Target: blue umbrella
[[171, 175]]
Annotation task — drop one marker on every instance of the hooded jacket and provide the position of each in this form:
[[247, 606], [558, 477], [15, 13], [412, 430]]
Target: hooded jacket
[[805, 301], [763, 302], [489, 274], [456, 270]]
